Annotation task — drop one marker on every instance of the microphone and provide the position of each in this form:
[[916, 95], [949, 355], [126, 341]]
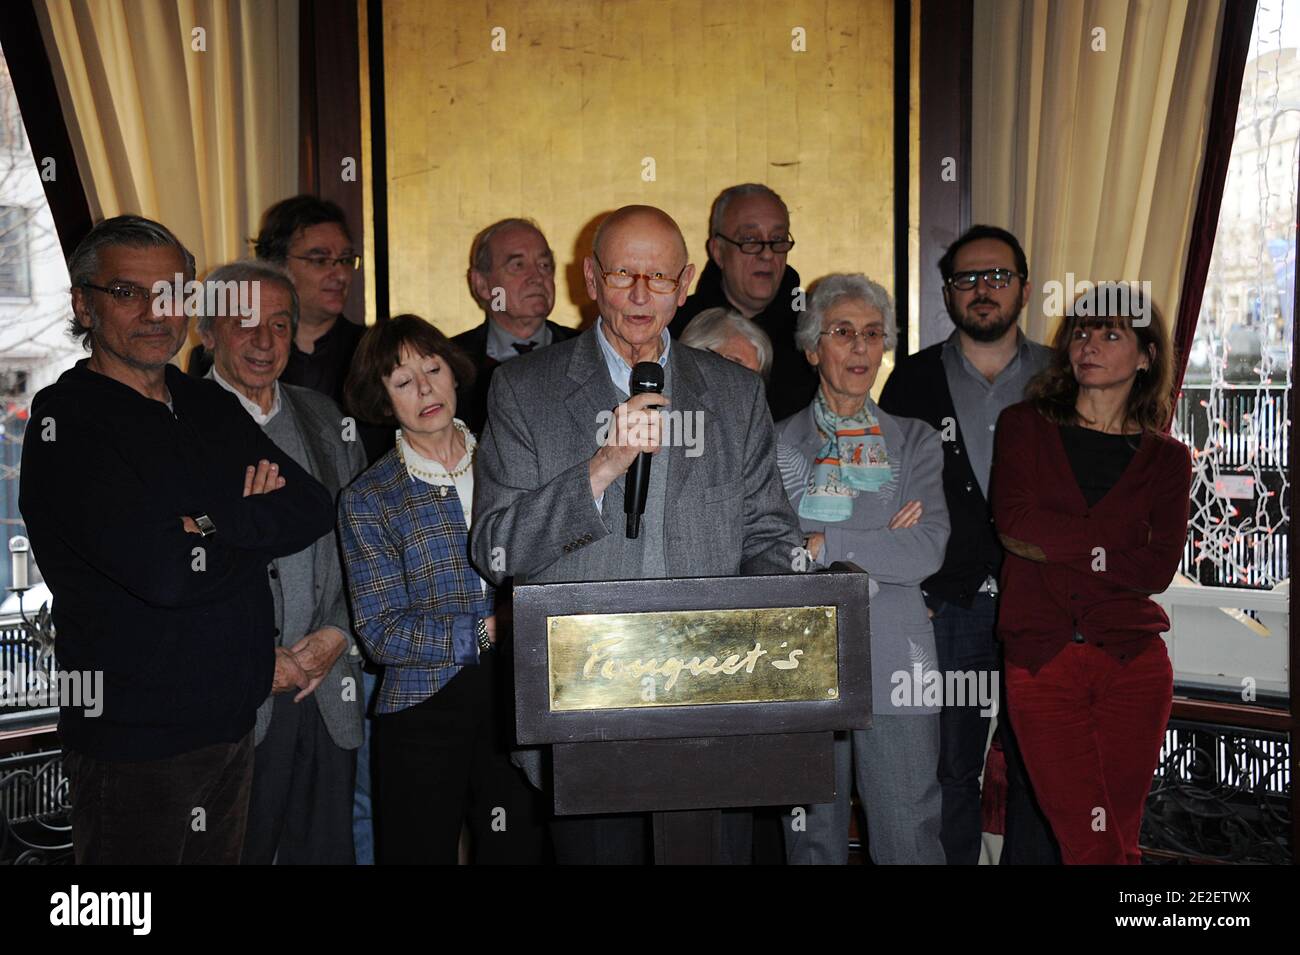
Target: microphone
[[647, 376]]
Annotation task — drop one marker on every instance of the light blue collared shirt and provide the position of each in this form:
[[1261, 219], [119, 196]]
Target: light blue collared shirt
[[620, 372]]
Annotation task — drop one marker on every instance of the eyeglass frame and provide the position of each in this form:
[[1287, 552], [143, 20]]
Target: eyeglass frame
[[604, 277], [761, 243], [328, 261], [149, 295], [951, 281], [853, 334]]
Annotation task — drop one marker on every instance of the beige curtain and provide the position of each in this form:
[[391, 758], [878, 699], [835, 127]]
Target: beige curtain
[[185, 111], [1089, 127]]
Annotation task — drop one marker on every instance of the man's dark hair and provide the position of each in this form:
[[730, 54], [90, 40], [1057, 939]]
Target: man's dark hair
[[973, 234], [135, 232], [282, 221]]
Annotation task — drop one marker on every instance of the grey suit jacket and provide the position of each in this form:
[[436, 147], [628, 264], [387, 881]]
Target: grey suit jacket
[[725, 514], [897, 560], [334, 462]]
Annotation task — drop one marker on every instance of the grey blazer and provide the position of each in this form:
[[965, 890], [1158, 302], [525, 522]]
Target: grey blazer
[[334, 462], [725, 514], [897, 560]]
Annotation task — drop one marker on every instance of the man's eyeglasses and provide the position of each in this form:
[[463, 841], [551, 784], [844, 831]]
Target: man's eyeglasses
[[323, 262], [993, 278], [755, 246], [847, 333], [125, 294], [658, 283]]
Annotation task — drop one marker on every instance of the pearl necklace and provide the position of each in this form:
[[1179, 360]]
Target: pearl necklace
[[416, 471]]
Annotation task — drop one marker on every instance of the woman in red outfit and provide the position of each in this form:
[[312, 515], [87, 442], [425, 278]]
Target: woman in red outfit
[[1091, 499]]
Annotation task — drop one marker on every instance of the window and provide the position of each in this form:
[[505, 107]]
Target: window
[[1235, 408], [15, 258]]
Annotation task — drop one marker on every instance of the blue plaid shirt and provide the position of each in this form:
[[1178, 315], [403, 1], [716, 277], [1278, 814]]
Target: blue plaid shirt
[[416, 599]]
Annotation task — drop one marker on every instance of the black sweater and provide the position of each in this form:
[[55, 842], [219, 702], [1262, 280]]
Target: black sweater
[[181, 626], [918, 388], [793, 382]]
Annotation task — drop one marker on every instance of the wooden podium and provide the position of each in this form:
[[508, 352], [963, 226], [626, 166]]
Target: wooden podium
[[683, 697]]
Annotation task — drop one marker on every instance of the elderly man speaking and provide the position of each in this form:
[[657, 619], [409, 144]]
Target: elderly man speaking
[[548, 501], [309, 728]]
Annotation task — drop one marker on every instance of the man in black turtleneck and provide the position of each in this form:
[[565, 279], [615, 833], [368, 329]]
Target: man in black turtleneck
[[749, 237]]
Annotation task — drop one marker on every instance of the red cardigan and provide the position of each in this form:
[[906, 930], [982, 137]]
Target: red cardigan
[[1140, 526]]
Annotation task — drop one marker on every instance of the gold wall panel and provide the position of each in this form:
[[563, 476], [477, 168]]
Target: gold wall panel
[[680, 658], [557, 126]]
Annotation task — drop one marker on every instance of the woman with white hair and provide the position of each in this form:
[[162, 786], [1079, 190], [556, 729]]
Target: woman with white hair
[[868, 489], [726, 332]]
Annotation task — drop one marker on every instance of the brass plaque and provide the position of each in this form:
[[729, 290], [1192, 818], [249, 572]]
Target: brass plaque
[[693, 657]]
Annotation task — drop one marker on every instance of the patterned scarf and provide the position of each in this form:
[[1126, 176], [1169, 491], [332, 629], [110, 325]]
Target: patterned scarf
[[853, 459]]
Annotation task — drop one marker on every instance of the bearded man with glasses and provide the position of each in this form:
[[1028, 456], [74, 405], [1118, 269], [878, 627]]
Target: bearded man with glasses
[[749, 238], [959, 387], [549, 484]]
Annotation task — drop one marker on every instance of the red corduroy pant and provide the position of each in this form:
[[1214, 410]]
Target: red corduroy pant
[[1090, 728]]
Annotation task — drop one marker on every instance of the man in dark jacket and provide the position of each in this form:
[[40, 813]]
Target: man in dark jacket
[[749, 237], [959, 387], [512, 277], [154, 503]]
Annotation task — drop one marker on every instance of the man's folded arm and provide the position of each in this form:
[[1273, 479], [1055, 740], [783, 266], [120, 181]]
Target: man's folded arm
[[85, 494], [281, 522]]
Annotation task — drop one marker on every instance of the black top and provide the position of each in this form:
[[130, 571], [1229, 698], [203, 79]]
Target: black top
[[918, 388], [793, 382], [1097, 459], [326, 368], [181, 626]]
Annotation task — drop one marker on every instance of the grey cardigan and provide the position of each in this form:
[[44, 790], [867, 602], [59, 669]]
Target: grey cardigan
[[897, 560]]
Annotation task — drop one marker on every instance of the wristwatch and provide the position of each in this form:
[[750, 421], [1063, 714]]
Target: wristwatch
[[484, 642], [204, 524]]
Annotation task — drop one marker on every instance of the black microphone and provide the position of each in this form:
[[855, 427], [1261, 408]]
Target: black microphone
[[647, 376]]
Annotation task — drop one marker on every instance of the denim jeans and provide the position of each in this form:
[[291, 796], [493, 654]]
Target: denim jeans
[[363, 829], [966, 640]]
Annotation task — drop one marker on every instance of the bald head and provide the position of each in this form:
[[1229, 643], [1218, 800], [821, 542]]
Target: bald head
[[646, 223], [640, 245]]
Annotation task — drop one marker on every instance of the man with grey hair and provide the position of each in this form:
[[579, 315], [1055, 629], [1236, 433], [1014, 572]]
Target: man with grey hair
[[153, 504], [726, 332], [305, 742], [749, 238], [512, 278]]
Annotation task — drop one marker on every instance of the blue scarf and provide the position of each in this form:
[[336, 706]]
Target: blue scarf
[[853, 459]]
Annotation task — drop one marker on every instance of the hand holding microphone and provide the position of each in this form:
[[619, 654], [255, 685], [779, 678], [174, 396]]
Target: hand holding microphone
[[633, 436]]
